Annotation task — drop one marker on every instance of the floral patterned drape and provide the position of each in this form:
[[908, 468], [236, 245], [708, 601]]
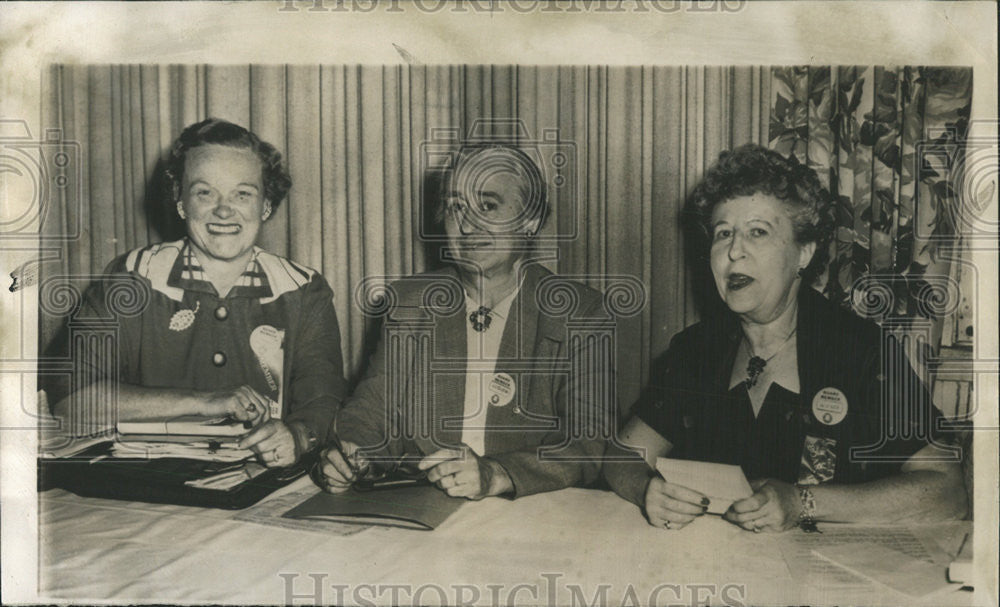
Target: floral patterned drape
[[879, 137]]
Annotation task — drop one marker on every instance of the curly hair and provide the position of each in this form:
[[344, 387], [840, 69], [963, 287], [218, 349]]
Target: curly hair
[[213, 131], [752, 169], [473, 164]]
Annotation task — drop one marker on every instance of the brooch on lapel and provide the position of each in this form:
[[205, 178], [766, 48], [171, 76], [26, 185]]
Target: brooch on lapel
[[182, 319], [481, 319]]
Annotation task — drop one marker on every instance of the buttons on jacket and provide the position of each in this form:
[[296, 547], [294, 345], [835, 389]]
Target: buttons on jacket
[[219, 359], [221, 313]]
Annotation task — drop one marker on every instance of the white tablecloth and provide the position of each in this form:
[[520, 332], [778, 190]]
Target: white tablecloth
[[567, 546]]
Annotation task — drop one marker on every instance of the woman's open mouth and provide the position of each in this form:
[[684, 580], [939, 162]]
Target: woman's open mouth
[[736, 281], [223, 228]]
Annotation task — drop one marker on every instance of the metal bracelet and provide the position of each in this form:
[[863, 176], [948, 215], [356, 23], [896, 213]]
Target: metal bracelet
[[807, 515]]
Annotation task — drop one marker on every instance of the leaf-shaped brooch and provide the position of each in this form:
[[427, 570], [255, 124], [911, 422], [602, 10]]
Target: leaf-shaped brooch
[[182, 319]]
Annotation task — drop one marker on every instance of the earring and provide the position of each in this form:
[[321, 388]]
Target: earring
[[180, 209]]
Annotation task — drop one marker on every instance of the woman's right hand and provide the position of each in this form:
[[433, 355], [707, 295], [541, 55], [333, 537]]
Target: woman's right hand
[[242, 404], [338, 468], [670, 506]]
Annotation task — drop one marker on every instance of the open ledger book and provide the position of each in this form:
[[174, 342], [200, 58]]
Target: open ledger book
[[415, 507]]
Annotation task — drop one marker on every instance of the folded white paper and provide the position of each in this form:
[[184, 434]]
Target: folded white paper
[[722, 483]]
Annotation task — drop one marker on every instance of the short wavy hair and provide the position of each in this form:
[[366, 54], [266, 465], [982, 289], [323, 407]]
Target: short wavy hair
[[474, 163], [214, 131], [752, 169]]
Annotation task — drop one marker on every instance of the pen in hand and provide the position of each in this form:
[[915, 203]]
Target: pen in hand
[[357, 466]]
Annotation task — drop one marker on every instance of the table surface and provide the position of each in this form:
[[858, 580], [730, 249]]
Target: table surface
[[563, 547]]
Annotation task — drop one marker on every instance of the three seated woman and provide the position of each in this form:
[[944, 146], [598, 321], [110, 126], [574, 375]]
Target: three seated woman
[[490, 390]]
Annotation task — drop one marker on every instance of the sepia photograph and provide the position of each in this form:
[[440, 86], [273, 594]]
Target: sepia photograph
[[338, 307]]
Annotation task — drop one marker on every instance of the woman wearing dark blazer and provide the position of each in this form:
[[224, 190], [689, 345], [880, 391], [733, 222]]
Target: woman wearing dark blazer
[[482, 376]]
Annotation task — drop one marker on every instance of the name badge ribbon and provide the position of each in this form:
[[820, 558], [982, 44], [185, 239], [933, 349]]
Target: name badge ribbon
[[267, 344]]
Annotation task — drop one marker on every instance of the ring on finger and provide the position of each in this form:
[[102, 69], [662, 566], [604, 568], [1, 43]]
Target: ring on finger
[[666, 524]]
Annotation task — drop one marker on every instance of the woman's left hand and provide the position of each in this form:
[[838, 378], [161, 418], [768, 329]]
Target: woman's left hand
[[774, 506], [462, 473], [273, 442]]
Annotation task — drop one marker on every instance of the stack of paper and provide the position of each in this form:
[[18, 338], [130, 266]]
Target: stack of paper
[[186, 425], [57, 446], [210, 451], [186, 437]]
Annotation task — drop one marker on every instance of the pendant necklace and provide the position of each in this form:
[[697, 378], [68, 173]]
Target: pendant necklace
[[756, 364]]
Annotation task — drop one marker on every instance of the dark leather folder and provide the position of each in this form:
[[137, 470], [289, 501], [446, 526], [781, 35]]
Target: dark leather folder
[[156, 480]]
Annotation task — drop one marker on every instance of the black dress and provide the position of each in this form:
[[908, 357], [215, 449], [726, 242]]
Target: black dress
[[860, 414]]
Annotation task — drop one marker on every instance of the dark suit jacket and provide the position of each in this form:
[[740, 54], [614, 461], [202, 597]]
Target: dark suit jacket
[[556, 347]]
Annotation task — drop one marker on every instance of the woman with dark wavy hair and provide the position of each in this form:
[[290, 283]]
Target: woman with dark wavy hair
[[230, 330], [823, 414]]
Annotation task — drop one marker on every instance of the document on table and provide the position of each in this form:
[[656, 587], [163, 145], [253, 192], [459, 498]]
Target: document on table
[[811, 557], [960, 570], [903, 573], [269, 512], [722, 483]]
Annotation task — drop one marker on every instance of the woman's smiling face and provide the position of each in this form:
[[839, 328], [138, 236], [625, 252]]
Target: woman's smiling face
[[223, 201], [754, 257]]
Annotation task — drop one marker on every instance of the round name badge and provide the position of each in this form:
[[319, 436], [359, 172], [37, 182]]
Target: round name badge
[[830, 406], [501, 389], [265, 340]]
